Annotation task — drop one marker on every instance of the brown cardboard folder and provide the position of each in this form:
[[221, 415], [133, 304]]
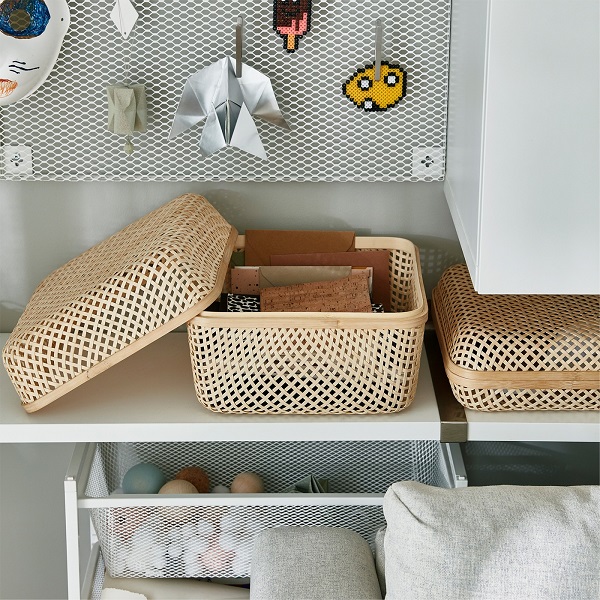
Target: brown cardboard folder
[[378, 259], [260, 244], [270, 276], [250, 280]]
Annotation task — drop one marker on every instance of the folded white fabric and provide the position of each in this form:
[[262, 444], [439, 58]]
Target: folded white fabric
[[169, 589], [119, 594], [492, 543]]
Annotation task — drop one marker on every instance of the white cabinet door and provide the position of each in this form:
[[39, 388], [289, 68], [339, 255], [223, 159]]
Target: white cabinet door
[[522, 176]]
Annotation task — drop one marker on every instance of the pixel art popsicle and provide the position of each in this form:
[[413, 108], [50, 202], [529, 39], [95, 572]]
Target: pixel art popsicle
[[291, 20]]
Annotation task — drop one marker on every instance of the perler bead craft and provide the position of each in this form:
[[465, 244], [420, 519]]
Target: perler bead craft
[[371, 95], [291, 20]]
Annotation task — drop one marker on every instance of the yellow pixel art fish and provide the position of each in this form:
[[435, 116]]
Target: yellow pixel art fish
[[372, 95]]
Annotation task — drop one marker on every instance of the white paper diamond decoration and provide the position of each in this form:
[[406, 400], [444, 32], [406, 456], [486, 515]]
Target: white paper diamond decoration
[[124, 16]]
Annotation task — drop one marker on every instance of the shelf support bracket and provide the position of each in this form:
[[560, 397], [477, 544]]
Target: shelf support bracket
[[453, 421]]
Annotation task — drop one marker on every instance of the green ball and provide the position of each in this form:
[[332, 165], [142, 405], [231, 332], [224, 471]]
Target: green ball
[[143, 478]]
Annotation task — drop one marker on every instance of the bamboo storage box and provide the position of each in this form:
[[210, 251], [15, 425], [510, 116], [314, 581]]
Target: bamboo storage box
[[316, 363], [163, 271], [212, 535], [517, 352]]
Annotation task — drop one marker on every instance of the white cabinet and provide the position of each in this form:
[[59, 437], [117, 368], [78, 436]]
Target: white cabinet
[[522, 177]]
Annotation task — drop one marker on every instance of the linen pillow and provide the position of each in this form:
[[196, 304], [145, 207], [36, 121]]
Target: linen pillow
[[312, 563], [492, 543]]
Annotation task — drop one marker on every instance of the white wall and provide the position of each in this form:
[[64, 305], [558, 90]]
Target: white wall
[[44, 224], [32, 521]]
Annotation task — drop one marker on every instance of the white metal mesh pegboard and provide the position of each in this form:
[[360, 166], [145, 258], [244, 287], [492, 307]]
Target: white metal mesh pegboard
[[64, 122]]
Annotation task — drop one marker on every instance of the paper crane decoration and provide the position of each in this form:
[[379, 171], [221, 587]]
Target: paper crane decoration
[[229, 104]]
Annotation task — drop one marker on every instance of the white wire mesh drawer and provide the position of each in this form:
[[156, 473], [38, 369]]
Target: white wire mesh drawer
[[211, 535]]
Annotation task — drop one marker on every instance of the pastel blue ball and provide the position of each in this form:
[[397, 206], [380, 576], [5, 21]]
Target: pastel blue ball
[[143, 478]]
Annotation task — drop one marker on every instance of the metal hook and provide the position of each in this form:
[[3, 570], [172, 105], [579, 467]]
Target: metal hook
[[378, 44], [239, 42]]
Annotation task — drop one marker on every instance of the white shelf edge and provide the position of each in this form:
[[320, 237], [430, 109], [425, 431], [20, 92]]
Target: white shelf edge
[[112, 408], [527, 427]]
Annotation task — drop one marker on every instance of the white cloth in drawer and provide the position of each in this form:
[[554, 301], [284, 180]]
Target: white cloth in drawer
[[168, 589]]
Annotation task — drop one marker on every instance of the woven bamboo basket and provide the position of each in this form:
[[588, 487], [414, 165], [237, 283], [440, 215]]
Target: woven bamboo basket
[[316, 363], [517, 352], [117, 297]]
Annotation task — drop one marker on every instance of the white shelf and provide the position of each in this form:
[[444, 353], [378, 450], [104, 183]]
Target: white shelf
[[150, 397], [534, 426]]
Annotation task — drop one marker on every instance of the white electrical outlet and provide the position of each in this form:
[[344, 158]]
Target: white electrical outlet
[[428, 162], [18, 160]]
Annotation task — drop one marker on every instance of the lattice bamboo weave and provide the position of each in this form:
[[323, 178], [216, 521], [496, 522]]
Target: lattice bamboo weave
[[316, 363], [517, 352], [149, 277]]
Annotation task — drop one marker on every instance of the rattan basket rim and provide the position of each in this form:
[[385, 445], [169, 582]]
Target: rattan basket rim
[[504, 379], [323, 320], [361, 242], [312, 320]]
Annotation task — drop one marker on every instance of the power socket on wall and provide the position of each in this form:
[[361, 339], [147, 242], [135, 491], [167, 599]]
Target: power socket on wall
[[428, 162], [18, 160]]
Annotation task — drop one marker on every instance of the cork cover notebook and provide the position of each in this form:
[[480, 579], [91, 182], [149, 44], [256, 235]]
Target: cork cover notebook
[[349, 294]]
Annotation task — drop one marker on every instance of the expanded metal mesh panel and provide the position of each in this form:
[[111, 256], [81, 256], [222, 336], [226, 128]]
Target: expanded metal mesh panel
[[350, 466], [172, 540], [207, 541], [65, 121], [98, 579]]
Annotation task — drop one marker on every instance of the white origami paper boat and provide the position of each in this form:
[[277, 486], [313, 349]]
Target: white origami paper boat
[[229, 104]]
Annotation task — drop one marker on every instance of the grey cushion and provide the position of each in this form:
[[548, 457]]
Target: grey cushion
[[312, 563], [379, 556], [492, 543]]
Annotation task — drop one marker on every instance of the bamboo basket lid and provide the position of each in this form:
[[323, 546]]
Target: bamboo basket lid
[[516, 341], [118, 297]]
